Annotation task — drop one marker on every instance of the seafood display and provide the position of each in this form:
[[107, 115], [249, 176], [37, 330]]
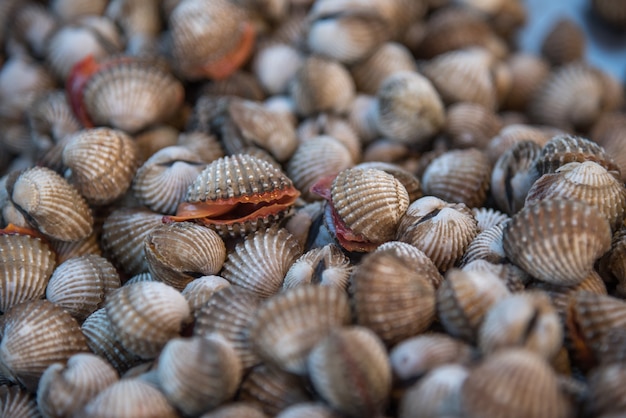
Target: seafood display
[[308, 208]]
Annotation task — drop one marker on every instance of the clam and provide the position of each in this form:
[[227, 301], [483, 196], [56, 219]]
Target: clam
[[36, 334], [527, 75], [26, 264], [470, 125], [557, 241], [365, 207], [409, 108], [288, 325], [487, 245], [198, 374], [389, 58], [488, 218], [409, 180], [275, 65], [205, 146], [180, 252], [326, 266], [236, 195], [564, 43], [335, 126], [240, 84], [100, 163], [65, 389], [418, 261], [81, 284], [349, 368], [145, 316], [65, 250], [52, 205], [512, 134], [18, 402], [514, 278], [154, 139], [199, 291], [363, 117]]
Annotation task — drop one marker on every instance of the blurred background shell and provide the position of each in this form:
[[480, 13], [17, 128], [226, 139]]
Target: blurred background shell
[[18, 402], [389, 58], [564, 43]]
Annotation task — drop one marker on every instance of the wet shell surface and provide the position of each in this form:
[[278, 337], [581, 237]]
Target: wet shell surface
[[100, 163], [146, 315], [325, 266], [557, 241], [36, 334], [26, 264], [53, 205], [350, 369], [290, 324], [81, 284]]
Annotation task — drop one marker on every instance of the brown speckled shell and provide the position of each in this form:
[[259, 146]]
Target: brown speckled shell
[[389, 58]]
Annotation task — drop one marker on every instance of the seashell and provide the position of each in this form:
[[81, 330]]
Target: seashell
[[141, 23], [16, 138], [415, 357], [146, 276], [609, 12], [321, 85], [209, 39], [236, 195], [316, 158], [154, 139], [162, 181], [303, 224], [308, 410], [199, 291], [512, 134], [363, 117], [524, 320], [441, 230], [100, 163], [146, 315], [464, 298], [389, 58], [587, 182], [486, 245], [129, 398], [416, 259], [51, 204], [437, 394], [528, 73], [24, 356], [205, 146], [513, 175], [464, 76], [230, 313], [101, 339], [68, 10], [557, 241], [409, 108], [26, 264], [564, 43], [608, 133], [22, 80], [80, 284], [235, 410], [351, 358], [290, 324], [65, 389], [514, 278], [410, 182], [458, 176], [606, 391], [127, 94], [470, 125], [123, 234], [198, 374], [386, 151], [275, 65], [530, 386], [488, 218], [332, 125], [391, 297], [31, 25], [262, 260], [272, 390], [180, 252], [366, 206], [17, 402], [615, 262], [241, 84], [325, 266]]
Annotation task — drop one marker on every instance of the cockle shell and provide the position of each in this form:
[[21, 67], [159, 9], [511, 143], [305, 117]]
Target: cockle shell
[[409, 108], [325, 266], [81, 284], [335, 126], [100, 163], [557, 241], [65, 389], [488, 218], [289, 324], [261, 262], [459, 176], [162, 181], [146, 315], [527, 75], [180, 252], [527, 382], [230, 313], [387, 59], [487, 245], [240, 84], [36, 334], [416, 259], [606, 391], [609, 132], [199, 291], [514, 278], [350, 369], [22, 80], [18, 402], [140, 22], [54, 206], [363, 117], [308, 410], [512, 134], [26, 264], [275, 65], [235, 410], [470, 125], [154, 139], [564, 43], [409, 180], [129, 398], [197, 374], [32, 25], [391, 297], [205, 146]]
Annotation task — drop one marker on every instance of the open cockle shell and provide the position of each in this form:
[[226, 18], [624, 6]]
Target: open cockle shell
[[324, 266]]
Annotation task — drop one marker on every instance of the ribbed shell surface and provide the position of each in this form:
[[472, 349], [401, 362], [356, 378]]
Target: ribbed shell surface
[[324, 266], [131, 96], [370, 202], [384, 61], [146, 315], [557, 241], [17, 402], [54, 206], [199, 291], [262, 260], [35, 335], [80, 284], [101, 163], [26, 264], [65, 250]]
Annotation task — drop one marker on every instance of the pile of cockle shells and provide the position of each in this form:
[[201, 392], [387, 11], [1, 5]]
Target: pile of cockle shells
[[308, 208]]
